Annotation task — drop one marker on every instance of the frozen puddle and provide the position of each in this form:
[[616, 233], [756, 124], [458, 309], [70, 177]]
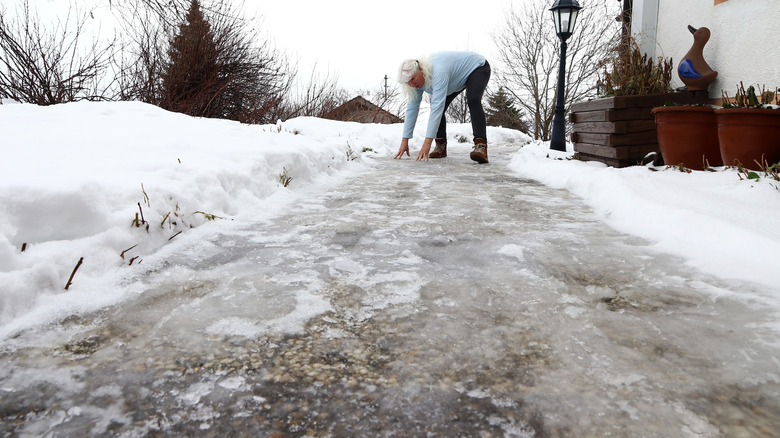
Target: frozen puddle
[[440, 299]]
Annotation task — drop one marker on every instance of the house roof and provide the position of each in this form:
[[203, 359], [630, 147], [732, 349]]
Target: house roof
[[359, 109]]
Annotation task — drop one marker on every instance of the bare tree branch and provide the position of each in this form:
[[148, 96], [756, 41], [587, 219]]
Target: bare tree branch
[[140, 60], [386, 95], [253, 79], [318, 96], [49, 66], [529, 55]]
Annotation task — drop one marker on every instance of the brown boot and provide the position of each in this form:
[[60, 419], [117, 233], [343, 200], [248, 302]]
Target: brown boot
[[440, 151], [479, 154]]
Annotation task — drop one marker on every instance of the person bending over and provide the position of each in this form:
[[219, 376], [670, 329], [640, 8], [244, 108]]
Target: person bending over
[[444, 75]]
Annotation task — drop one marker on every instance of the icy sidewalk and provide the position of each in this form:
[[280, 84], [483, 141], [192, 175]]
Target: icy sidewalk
[[420, 299]]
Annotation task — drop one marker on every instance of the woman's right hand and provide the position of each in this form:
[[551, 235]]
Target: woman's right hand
[[404, 148]]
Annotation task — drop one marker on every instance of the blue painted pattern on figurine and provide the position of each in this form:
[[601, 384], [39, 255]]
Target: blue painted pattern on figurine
[[687, 71]]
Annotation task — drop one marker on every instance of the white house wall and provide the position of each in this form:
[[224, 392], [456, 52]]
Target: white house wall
[[744, 45], [644, 25]]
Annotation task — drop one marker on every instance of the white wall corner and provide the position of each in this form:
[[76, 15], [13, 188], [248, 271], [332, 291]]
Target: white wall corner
[[644, 25]]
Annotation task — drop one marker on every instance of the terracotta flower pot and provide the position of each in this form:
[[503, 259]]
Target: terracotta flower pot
[[747, 135], [688, 135]]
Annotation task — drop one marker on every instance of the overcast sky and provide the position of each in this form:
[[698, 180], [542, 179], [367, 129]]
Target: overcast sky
[[360, 40], [363, 40]]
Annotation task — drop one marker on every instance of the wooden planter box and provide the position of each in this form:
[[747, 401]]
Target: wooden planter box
[[620, 131]]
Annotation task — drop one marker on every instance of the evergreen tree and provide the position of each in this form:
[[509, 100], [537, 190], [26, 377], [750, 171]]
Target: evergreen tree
[[191, 78], [214, 68], [501, 111]]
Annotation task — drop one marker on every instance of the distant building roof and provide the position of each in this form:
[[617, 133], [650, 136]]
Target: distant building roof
[[361, 110]]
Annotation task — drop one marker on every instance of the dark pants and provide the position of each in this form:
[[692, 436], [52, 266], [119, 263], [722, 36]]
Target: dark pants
[[475, 88]]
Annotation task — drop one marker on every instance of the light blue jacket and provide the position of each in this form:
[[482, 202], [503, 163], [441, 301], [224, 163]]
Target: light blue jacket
[[449, 73]]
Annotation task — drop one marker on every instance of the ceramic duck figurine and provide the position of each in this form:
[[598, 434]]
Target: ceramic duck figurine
[[693, 69]]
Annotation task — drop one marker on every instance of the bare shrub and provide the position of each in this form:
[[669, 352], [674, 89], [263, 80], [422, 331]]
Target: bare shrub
[[142, 56], [50, 66], [319, 95], [212, 64], [629, 72], [458, 110]]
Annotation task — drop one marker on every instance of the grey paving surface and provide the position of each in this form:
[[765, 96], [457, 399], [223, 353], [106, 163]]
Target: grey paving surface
[[424, 299]]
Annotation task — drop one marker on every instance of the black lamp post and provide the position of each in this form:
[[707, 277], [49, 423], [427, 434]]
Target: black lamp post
[[565, 15]]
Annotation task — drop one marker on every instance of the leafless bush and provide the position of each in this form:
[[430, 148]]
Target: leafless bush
[[142, 55], [319, 95], [247, 82], [50, 66], [250, 81], [629, 72], [254, 78], [458, 110], [386, 95]]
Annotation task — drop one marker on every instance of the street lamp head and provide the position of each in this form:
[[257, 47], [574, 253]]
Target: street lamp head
[[565, 16]]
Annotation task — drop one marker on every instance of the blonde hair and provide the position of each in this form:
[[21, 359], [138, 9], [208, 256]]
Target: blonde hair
[[408, 68]]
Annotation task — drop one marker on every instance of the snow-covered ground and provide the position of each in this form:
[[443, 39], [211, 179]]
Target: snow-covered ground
[[116, 184]]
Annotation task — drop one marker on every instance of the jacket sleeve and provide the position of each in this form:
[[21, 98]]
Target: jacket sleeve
[[438, 98], [412, 110]]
